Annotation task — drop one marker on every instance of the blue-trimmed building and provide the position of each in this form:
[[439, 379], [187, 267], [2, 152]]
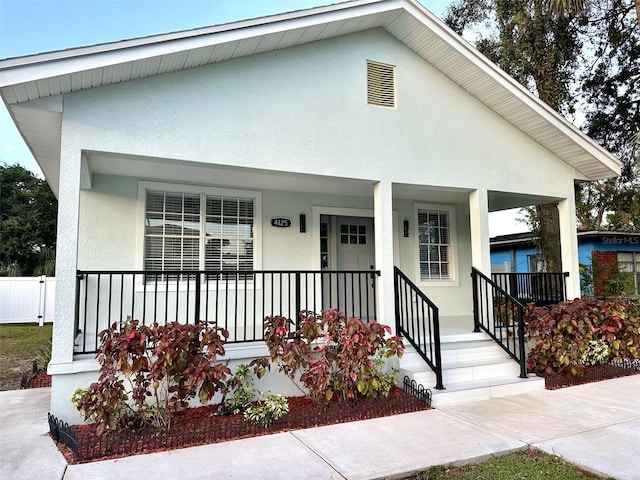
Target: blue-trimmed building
[[517, 253]]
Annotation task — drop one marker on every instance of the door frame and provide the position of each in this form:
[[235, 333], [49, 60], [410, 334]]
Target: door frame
[[316, 211]]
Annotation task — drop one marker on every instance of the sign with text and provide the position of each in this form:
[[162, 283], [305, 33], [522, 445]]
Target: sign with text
[[281, 222], [628, 240]]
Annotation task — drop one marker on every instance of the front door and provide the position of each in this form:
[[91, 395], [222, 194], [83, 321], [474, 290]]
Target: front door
[[355, 251]]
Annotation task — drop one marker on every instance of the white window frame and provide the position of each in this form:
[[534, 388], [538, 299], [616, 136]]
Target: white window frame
[[453, 246], [634, 264], [143, 186]]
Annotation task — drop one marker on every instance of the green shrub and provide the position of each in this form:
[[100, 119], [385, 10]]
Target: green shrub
[[272, 408], [598, 352], [243, 396], [243, 392]]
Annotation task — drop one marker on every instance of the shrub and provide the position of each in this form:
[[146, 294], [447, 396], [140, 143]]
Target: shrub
[[242, 401], [579, 332], [272, 408], [598, 352], [243, 392], [149, 373], [332, 354]]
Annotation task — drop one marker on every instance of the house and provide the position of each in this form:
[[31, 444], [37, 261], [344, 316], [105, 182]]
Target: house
[[345, 156], [517, 253]]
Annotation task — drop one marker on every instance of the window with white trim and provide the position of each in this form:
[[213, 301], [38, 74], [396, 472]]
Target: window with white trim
[[436, 233], [629, 263], [186, 230]]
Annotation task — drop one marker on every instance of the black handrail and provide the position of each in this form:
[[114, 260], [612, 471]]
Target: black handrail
[[541, 288], [417, 320], [237, 300], [499, 315]]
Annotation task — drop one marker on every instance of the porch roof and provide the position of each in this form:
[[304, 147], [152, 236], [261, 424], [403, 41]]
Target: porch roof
[[45, 75]]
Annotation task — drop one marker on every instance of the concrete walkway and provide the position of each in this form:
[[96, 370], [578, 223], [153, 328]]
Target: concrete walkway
[[596, 426]]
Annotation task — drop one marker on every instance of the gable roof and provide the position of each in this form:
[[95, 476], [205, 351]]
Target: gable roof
[[48, 74]]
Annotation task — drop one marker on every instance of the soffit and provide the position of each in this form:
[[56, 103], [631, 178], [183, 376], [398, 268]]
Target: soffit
[[37, 76]]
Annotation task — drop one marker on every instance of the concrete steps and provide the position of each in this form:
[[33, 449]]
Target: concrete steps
[[474, 368]]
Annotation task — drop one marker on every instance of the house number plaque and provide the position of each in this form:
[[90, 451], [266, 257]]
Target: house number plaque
[[280, 222]]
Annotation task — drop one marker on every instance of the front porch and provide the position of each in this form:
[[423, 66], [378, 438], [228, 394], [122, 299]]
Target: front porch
[[478, 352]]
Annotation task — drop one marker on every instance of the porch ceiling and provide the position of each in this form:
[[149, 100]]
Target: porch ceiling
[[49, 74], [497, 200], [507, 200], [189, 172]]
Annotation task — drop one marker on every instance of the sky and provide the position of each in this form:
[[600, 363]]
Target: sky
[[36, 26]]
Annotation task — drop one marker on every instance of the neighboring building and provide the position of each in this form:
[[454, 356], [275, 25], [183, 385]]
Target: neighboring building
[[356, 137], [517, 253]]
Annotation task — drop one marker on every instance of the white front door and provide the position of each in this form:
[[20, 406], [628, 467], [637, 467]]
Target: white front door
[[355, 251]]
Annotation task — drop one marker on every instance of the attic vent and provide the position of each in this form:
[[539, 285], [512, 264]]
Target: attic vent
[[381, 84]]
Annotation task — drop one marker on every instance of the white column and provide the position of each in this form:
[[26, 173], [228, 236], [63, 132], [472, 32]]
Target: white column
[[569, 245], [383, 218], [479, 220], [66, 260]]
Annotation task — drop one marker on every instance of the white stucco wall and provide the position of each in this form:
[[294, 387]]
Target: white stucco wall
[[111, 238], [300, 110], [304, 109]]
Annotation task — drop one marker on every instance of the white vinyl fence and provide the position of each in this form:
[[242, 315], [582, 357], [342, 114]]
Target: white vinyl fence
[[27, 299]]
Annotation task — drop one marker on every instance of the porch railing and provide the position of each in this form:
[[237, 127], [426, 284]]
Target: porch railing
[[541, 288], [500, 315], [238, 301], [417, 320]]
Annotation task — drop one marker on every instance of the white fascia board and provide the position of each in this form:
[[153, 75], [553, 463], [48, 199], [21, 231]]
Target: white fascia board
[[512, 86], [49, 65]]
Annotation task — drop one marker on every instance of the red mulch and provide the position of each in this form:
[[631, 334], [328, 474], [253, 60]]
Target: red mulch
[[199, 426], [593, 373], [39, 380]]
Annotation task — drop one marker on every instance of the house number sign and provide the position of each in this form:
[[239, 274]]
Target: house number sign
[[280, 222]]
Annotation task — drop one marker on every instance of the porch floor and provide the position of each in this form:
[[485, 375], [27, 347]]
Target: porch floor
[[457, 329]]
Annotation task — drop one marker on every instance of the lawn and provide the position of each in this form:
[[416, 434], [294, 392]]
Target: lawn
[[530, 464], [20, 345]]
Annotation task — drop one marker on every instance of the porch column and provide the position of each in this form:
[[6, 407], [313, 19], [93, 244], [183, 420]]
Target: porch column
[[569, 245], [479, 221], [383, 218], [66, 260]]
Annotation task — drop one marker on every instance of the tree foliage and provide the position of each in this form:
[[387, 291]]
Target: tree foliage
[[540, 49], [28, 213], [611, 89], [577, 57]]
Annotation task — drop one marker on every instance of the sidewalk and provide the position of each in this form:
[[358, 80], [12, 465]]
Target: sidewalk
[[596, 426]]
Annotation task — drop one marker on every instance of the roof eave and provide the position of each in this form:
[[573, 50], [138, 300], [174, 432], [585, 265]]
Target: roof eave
[[30, 77]]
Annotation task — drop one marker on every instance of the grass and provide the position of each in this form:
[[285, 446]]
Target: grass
[[20, 345], [530, 464]]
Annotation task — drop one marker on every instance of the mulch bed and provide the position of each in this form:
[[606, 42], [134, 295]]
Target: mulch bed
[[199, 426], [39, 379], [593, 373]]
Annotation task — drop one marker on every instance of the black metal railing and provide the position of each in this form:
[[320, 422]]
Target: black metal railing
[[541, 288], [500, 315], [238, 301], [417, 320]]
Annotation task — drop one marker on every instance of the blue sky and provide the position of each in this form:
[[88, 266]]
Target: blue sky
[[36, 26]]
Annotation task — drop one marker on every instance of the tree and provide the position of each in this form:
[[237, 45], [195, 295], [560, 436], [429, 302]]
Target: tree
[[538, 48], [28, 213], [563, 6], [611, 89]]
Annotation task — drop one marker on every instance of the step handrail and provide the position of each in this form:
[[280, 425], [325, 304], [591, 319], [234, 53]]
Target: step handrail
[[499, 315], [419, 323]]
